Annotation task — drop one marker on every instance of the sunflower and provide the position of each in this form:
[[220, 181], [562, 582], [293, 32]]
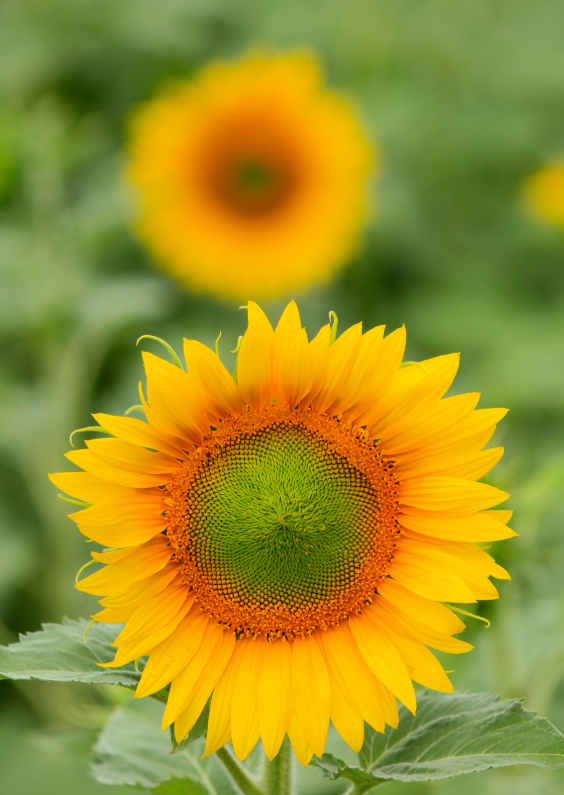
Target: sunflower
[[252, 179], [283, 541], [544, 193]]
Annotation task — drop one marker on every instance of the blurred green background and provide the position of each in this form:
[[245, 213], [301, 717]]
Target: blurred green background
[[466, 100]]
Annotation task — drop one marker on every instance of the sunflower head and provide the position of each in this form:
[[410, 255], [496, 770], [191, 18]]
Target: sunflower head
[[285, 541], [544, 193], [252, 178]]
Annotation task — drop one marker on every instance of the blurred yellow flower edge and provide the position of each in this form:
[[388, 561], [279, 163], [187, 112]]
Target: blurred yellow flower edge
[[283, 540], [544, 193], [252, 179]]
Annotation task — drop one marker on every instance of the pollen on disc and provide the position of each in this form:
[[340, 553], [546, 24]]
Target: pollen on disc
[[283, 522]]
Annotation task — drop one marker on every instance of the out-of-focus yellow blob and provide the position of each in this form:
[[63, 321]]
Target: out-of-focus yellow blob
[[544, 191], [253, 179]]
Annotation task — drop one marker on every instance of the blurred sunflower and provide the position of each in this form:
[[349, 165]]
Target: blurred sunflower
[[544, 192], [283, 541], [253, 180]]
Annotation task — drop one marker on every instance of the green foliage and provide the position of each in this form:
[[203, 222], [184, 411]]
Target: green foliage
[[59, 654], [133, 750], [466, 100], [450, 735]]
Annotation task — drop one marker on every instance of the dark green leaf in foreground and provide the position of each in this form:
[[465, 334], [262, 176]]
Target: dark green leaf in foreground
[[132, 750], [59, 654], [451, 734]]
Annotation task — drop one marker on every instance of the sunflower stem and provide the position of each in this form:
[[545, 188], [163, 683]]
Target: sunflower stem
[[277, 777], [242, 780]]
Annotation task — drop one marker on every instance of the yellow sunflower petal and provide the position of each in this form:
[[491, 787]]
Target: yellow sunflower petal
[[429, 622], [502, 515], [438, 493], [219, 724], [221, 390], [143, 644], [427, 576], [139, 433], [159, 419], [390, 705], [299, 742], [275, 702], [479, 425], [253, 370], [122, 523], [287, 329], [416, 429], [92, 463], [389, 359], [172, 655], [142, 561], [296, 369], [413, 387], [151, 616], [142, 589], [184, 686], [110, 555], [113, 616], [422, 666], [363, 372], [88, 487], [203, 687], [471, 466], [340, 363], [312, 692], [348, 723], [260, 323], [114, 511], [352, 675], [474, 528], [383, 660], [472, 569], [245, 729], [476, 558], [174, 400], [319, 349]]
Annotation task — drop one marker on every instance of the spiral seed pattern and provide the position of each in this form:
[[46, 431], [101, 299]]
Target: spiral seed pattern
[[283, 521]]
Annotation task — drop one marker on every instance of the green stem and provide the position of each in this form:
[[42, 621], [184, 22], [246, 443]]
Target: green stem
[[277, 777], [237, 773]]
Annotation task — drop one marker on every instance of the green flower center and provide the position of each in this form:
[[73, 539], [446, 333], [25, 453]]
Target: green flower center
[[279, 527]]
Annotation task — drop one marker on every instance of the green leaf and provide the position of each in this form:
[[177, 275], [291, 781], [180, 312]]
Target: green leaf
[[132, 750], [450, 735], [199, 729], [180, 786], [58, 653]]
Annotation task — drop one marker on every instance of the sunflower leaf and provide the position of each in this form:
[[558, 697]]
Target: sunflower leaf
[[450, 735], [133, 751], [58, 653]]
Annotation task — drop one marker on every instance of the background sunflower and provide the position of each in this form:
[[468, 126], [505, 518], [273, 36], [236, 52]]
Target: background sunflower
[[466, 104], [252, 177]]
